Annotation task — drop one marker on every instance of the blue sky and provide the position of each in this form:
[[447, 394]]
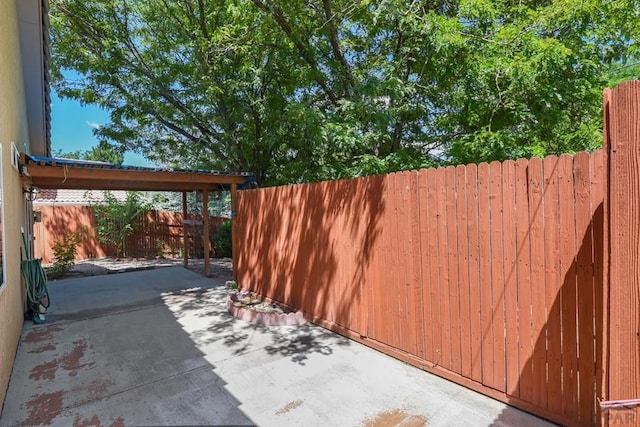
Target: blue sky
[[72, 127]]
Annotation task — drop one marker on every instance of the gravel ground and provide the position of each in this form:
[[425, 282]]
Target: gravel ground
[[219, 267]]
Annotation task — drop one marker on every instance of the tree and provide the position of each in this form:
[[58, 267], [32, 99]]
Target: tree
[[103, 152], [308, 90]]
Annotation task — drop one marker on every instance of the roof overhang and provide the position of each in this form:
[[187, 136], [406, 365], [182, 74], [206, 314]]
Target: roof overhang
[[33, 27], [44, 172]]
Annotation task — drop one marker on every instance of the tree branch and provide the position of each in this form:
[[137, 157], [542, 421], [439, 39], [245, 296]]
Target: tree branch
[[278, 16], [163, 91], [335, 45]]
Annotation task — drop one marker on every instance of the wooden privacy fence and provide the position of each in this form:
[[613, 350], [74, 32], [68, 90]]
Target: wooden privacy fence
[[158, 233], [493, 276], [483, 274], [57, 222]]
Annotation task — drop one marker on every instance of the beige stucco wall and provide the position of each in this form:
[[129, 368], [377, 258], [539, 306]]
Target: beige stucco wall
[[13, 127]]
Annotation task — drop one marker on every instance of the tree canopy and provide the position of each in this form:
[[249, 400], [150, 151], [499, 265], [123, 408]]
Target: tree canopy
[[307, 90], [103, 152]]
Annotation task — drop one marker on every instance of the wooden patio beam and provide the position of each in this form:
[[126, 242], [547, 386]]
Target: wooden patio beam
[[47, 176], [110, 186]]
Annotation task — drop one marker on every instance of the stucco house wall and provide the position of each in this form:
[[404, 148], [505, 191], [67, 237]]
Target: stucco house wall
[[13, 128], [17, 18]]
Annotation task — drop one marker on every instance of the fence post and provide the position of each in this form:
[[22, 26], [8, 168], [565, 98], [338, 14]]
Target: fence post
[[234, 231], [622, 339]]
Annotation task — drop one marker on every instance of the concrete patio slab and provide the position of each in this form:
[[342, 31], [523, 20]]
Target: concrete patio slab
[[158, 347]]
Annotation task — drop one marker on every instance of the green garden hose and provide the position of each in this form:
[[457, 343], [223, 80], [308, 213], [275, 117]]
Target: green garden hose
[[36, 283]]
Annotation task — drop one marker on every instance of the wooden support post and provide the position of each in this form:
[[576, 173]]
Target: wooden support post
[[185, 232], [206, 243], [234, 236], [622, 339]]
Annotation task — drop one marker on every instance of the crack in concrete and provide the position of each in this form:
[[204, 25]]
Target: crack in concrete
[[122, 391]]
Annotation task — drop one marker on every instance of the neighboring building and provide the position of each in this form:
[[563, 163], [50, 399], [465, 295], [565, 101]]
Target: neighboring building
[[24, 126]]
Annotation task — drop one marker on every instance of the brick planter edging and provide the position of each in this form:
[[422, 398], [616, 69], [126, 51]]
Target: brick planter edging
[[265, 319]]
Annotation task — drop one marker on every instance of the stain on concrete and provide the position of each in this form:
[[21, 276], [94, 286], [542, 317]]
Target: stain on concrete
[[44, 371], [71, 361], [86, 422], [289, 406], [44, 408], [41, 333], [94, 421], [396, 417], [48, 347]]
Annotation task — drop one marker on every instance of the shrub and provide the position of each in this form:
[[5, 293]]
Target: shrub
[[160, 248], [222, 240], [64, 253]]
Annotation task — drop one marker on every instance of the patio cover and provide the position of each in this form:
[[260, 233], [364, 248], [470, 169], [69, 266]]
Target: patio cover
[[58, 173]]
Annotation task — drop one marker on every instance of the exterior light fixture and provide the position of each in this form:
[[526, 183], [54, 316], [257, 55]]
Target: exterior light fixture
[[30, 193]]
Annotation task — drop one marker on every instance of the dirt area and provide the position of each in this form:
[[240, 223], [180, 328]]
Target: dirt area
[[219, 267]]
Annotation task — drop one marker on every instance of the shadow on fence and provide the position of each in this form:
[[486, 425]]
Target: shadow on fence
[[299, 240]]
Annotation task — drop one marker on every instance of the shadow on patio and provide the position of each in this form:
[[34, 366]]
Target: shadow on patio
[[158, 347], [131, 349]]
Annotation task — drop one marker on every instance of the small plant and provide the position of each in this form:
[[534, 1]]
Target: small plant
[[64, 253], [160, 248], [232, 284]]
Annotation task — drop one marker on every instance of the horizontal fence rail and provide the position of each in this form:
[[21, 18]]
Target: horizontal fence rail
[[485, 274]]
